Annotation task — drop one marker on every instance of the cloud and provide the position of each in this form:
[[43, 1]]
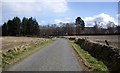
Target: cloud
[[102, 18], [65, 20], [42, 22], [35, 5], [59, 6], [18, 0], [31, 0], [118, 15], [31, 7]]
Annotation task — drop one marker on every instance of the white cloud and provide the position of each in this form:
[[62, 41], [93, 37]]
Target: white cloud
[[18, 0], [31, 0], [103, 18], [42, 22], [65, 20], [67, 0], [57, 21], [58, 6], [118, 15], [34, 6]]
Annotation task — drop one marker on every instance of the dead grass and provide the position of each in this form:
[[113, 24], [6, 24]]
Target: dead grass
[[19, 42], [14, 55]]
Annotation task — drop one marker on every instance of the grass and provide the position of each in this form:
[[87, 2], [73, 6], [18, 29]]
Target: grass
[[13, 56], [92, 63]]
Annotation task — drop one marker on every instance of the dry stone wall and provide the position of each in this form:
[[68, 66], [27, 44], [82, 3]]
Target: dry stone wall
[[109, 55]]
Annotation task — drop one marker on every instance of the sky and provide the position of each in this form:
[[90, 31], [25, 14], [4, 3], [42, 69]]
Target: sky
[[56, 11]]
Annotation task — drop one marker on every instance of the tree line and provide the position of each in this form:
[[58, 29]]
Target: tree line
[[30, 27], [16, 27], [111, 28], [64, 29]]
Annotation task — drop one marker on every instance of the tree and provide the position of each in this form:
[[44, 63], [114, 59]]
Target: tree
[[111, 27], [96, 29], [24, 26], [35, 27], [118, 29], [16, 25], [0, 30], [4, 29], [10, 28], [79, 25]]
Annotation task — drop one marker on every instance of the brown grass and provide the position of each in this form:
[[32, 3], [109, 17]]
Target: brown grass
[[17, 42]]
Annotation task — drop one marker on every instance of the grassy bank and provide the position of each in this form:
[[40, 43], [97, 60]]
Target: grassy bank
[[90, 62], [14, 55]]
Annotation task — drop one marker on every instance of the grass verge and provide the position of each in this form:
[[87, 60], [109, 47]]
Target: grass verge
[[90, 62], [12, 56]]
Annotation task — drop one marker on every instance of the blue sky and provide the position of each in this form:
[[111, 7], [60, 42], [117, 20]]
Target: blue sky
[[54, 12], [93, 8]]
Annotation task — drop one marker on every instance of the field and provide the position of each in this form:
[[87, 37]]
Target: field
[[14, 42], [17, 42], [112, 39]]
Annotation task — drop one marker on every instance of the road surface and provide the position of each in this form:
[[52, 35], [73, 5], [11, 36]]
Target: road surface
[[58, 56]]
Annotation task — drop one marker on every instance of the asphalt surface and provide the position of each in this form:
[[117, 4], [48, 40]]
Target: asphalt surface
[[58, 56]]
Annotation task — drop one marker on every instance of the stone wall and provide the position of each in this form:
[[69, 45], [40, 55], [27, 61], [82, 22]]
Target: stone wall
[[109, 55]]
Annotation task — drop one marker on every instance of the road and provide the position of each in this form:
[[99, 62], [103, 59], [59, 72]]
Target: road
[[58, 56]]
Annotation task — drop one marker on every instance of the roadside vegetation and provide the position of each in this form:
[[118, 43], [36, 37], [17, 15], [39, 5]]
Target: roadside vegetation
[[90, 62], [14, 55]]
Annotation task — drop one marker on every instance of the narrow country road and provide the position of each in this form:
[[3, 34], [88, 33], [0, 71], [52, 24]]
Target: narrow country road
[[58, 56]]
